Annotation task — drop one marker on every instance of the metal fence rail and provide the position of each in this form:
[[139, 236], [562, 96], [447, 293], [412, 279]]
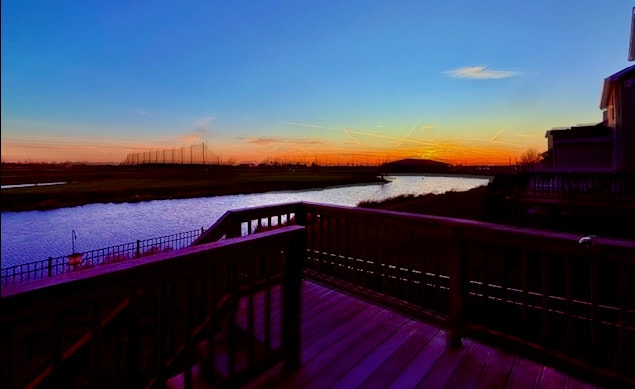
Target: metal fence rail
[[65, 264]]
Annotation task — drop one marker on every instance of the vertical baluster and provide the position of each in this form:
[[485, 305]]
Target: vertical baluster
[[371, 281], [374, 238], [8, 353], [267, 264], [58, 351], [524, 292], [544, 277], [423, 292], [134, 340], [95, 347], [328, 250], [233, 290], [189, 327], [484, 256], [437, 280], [160, 333], [251, 291], [506, 279], [118, 354], [568, 290], [349, 250], [621, 320], [321, 244], [214, 293], [593, 287]]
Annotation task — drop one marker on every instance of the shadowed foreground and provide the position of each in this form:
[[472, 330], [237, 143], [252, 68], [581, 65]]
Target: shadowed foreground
[[349, 343]]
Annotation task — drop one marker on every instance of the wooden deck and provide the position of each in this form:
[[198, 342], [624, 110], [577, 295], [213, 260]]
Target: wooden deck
[[350, 343]]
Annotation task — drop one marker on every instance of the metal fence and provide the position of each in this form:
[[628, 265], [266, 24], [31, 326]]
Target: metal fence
[[88, 259]]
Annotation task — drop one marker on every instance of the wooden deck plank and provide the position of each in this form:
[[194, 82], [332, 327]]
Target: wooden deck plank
[[357, 313], [410, 376], [526, 374], [441, 372], [497, 371], [388, 372], [349, 343], [314, 369], [471, 367], [377, 357], [551, 379]]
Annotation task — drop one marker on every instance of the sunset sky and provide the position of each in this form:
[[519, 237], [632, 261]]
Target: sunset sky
[[460, 81]]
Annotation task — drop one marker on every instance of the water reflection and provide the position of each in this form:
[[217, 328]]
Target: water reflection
[[35, 235]]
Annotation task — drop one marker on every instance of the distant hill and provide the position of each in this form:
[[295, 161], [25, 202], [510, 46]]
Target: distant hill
[[415, 165]]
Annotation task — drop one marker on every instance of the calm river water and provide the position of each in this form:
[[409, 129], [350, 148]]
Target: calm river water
[[35, 235]]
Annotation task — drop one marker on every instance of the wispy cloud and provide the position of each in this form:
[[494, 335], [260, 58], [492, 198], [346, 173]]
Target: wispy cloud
[[272, 140], [262, 141], [419, 128], [141, 111], [198, 135], [204, 122], [497, 136], [352, 138], [480, 73], [388, 137], [530, 135], [310, 125]]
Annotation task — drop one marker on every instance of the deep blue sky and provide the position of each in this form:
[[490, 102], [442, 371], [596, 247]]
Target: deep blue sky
[[456, 80]]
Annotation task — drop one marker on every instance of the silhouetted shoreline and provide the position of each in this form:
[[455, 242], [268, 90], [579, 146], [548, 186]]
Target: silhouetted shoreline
[[494, 203]]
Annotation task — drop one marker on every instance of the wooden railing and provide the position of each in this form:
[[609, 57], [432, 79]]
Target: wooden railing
[[136, 324], [54, 266], [582, 187], [560, 297]]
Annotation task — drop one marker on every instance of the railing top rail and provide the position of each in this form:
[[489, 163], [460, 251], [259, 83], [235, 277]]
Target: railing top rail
[[84, 279], [472, 225], [467, 226]]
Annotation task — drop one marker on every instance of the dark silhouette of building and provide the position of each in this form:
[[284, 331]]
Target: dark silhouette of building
[[606, 146]]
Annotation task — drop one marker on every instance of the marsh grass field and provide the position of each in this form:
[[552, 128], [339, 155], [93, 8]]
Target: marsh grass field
[[87, 184]]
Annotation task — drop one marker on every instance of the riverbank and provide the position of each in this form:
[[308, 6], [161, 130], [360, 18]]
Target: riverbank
[[487, 204], [470, 204], [89, 184]]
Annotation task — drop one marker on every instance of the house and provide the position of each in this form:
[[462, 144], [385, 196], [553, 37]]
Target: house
[[618, 104], [581, 148], [603, 147]]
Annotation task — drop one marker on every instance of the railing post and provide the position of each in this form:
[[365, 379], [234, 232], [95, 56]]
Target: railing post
[[300, 215], [50, 266], [234, 229], [291, 288], [138, 251], [458, 279]]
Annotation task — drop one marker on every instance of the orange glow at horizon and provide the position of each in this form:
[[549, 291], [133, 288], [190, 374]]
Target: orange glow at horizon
[[454, 153]]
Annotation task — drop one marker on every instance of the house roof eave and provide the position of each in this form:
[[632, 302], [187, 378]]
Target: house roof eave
[[606, 89], [610, 81]]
